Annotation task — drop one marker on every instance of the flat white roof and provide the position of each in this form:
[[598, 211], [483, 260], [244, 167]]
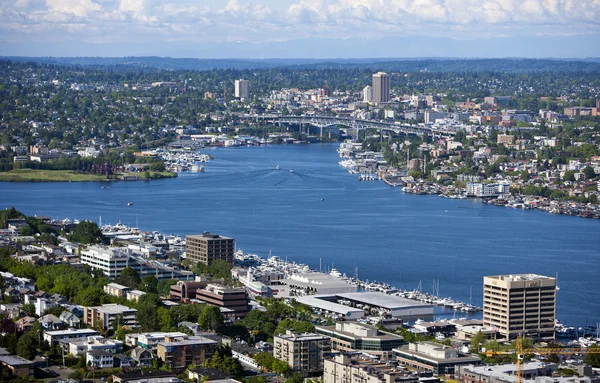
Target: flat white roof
[[387, 301], [320, 303], [80, 331]]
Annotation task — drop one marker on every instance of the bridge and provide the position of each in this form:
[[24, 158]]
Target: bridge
[[352, 123]]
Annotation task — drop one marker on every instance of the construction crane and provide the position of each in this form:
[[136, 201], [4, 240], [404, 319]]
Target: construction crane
[[521, 352]]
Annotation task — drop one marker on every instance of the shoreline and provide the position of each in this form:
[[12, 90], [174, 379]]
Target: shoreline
[[37, 176]]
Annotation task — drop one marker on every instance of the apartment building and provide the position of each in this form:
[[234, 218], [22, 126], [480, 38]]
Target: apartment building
[[303, 352], [108, 315], [361, 369], [178, 354], [520, 304]]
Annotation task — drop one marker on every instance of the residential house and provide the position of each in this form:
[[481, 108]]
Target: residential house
[[17, 366], [70, 319], [124, 361], [142, 356], [25, 323], [51, 322]]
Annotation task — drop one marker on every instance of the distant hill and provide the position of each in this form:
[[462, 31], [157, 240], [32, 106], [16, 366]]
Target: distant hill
[[511, 65]]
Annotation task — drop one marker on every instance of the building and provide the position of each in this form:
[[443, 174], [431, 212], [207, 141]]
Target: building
[[108, 315], [94, 343], [186, 290], [432, 115], [150, 340], [178, 354], [302, 284], [325, 306], [302, 352], [242, 89], [504, 373], [208, 247], [520, 304], [360, 369], [70, 319], [505, 139], [350, 336], [381, 87], [368, 93], [111, 261], [100, 359], [116, 290], [17, 366], [479, 189], [234, 300], [576, 111], [54, 337], [142, 356], [434, 357]]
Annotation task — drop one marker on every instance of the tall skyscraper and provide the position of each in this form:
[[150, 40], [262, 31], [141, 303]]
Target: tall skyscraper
[[381, 87], [368, 93], [520, 304], [242, 88]]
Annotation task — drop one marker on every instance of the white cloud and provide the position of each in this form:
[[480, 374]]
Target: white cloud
[[270, 20]]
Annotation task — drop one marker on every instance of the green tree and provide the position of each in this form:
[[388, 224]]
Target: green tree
[[129, 277], [147, 314], [86, 232], [27, 345], [150, 284], [210, 318], [589, 173], [477, 342], [569, 176], [591, 358]]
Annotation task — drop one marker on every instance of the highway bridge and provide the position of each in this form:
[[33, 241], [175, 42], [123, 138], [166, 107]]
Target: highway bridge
[[352, 123]]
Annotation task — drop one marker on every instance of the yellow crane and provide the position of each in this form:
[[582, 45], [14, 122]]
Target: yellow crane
[[521, 352]]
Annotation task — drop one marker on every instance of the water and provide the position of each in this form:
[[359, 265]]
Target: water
[[390, 236]]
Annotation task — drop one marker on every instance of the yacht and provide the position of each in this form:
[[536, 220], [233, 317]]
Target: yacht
[[277, 167], [291, 170], [335, 273]]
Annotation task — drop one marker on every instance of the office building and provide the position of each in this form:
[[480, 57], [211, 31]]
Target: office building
[[433, 357], [108, 315], [507, 373], [208, 247], [179, 354], [233, 301], [242, 89], [183, 291], [302, 352], [111, 261], [351, 336], [381, 87], [368, 93], [520, 304]]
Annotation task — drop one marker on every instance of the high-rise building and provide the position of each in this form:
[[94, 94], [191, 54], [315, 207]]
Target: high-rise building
[[208, 247], [381, 87], [520, 304], [242, 88], [368, 93], [302, 352]]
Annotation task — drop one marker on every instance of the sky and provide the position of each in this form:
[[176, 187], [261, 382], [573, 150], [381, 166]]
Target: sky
[[301, 28]]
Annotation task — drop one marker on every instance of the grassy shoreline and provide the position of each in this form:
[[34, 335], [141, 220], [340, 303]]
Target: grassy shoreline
[[32, 175]]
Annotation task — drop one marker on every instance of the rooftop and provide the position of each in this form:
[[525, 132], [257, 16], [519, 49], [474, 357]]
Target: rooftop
[[14, 360], [318, 302], [79, 331], [387, 301], [207, 235], [113, 308], [519, 277], [189, 342]]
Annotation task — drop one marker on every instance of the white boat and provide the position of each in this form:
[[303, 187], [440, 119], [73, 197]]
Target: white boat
[[129, 203], [277, 167], [335, 273], [291, 170]]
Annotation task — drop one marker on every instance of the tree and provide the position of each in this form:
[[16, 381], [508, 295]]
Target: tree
[[589, 173], [86, 232], [210, 318], [129, 277], [147, 314], [149, 284], [27, 345], [477, 342], [591, 358], [569, 175]]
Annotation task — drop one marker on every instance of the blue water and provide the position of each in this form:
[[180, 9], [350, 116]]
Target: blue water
[[390, 236]]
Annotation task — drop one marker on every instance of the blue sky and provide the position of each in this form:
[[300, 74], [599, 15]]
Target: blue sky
[[301, 28]]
